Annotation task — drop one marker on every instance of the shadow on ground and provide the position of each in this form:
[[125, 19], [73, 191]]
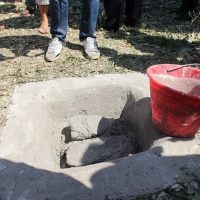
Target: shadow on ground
[[19, 180]]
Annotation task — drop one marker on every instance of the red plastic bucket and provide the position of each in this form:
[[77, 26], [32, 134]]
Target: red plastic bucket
[[175, 99]]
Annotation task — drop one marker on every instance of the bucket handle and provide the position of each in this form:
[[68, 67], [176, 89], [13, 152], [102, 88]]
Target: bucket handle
[[180, 66]]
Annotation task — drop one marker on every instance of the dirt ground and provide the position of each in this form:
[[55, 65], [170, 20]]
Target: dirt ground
[[157, 39]]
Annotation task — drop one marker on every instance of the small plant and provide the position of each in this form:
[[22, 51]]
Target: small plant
[[75, 59], [194, 17]]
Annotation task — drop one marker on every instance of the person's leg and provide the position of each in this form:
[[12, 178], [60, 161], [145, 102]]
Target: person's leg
[[129, 8], [90, 9], [59, 19], [110, 10], [137, 11], [44, 27], [59, 25], [133, 11], [114, 10]]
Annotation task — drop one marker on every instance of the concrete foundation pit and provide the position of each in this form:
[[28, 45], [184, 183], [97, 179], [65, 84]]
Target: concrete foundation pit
[[89, 139]]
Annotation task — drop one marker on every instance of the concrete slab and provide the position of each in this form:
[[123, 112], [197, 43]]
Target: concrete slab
[[32, 139]]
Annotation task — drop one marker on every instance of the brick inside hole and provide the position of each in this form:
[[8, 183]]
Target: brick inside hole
[[93, 139]]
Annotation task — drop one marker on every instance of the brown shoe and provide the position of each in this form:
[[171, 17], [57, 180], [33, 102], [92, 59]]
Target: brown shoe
[[27, 11], [197, 59]]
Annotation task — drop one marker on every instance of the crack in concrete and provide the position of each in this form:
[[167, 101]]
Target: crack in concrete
[[15, 182], [3, 168], [77, 192], [7, 168]]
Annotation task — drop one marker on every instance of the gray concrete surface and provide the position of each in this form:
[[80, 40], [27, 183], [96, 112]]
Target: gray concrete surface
[[96, 150], [32, 139], [88, 126]]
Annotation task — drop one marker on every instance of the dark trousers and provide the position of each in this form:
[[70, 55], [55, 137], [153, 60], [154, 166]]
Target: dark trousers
[[133, 11], [114, 10], [189, 5], [59, 19], [30, 4]]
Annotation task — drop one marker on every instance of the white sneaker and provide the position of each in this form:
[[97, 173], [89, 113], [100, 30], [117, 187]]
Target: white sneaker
[[1, 3], [54, 49], [91, 48]]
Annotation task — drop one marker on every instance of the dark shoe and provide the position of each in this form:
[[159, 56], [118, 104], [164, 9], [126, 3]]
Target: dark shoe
[[130, 23], [183, 17], [197, 59], [112, 25], [109, 28]]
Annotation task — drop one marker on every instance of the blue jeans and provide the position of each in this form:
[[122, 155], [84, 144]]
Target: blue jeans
[[59, 18]]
